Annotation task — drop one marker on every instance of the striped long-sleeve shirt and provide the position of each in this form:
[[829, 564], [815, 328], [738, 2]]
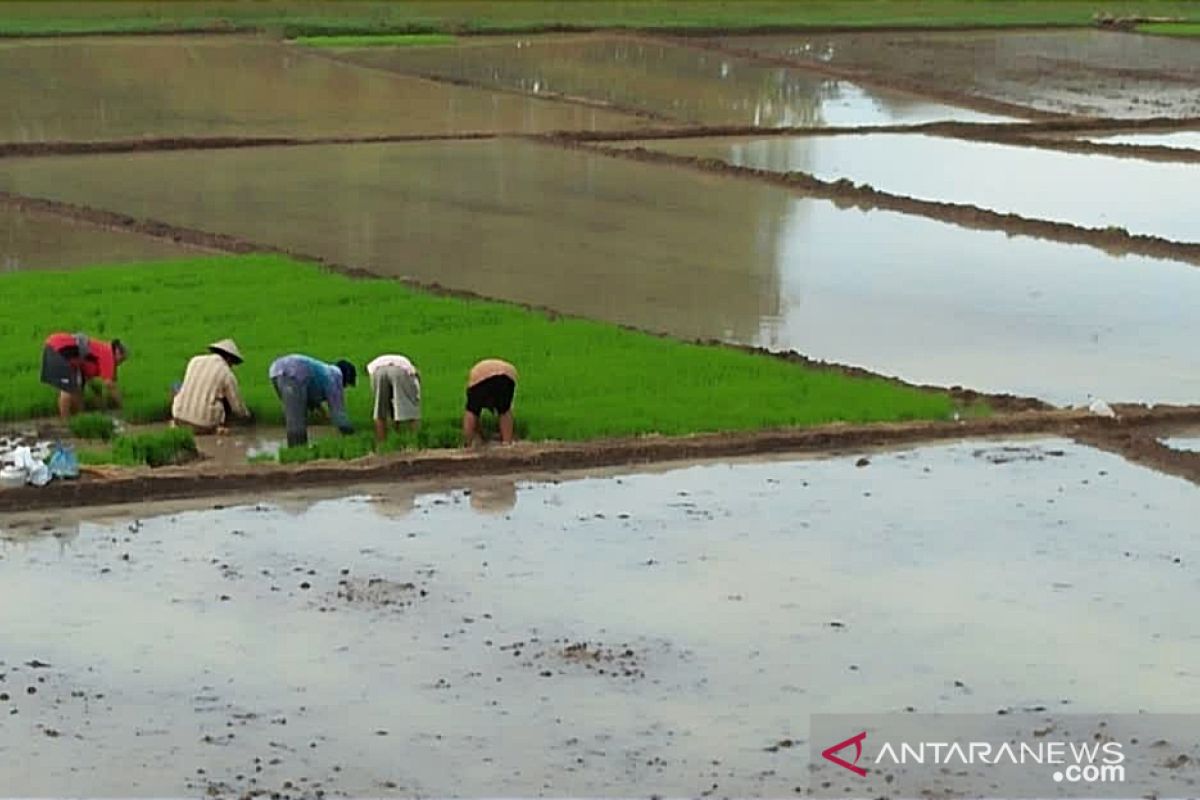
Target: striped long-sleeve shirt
[[322, 381], [207, 382]]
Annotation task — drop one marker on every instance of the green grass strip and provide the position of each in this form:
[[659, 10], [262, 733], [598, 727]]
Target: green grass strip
[[351, 17], [385, 40], [579, 379], [1170, 28]]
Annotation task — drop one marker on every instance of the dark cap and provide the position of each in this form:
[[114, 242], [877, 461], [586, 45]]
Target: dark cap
[[349, 373]]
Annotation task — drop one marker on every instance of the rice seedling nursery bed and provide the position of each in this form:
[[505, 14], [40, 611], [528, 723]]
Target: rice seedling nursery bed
[[580, 379]]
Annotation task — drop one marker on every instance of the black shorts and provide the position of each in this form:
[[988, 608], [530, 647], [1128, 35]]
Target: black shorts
[[495, 393], [57, 370]]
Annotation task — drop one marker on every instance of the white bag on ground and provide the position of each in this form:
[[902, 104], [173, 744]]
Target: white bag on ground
[[36, 471]]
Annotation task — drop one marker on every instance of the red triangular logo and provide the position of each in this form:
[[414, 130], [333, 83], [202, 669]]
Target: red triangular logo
[[828, 753]]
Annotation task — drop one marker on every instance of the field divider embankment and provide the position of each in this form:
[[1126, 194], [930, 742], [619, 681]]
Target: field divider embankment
[[118, 486], [1141, 446], [1113, 240], [166, 144]]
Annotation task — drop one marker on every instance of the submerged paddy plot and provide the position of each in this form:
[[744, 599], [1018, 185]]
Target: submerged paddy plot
[[1180, 140], [1091, 191], [678, 82], [691, 254], [579, 379], [429, 641], [124, 88], [34, 240], [1079, 72]]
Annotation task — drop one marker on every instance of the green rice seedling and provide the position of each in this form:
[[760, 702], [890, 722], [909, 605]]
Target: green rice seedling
[[92, 426], [579, 379], [155, 449]]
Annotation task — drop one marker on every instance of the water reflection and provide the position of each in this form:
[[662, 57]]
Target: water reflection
[[683, 83], [1083, 72], [95, 89]]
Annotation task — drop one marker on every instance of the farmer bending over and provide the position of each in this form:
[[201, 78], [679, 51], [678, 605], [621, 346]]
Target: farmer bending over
[[303, 382], [71, 361], [209, 393], [491, 384], [396, 386]]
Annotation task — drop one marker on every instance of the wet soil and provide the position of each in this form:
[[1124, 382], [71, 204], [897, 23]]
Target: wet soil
[[174, 653], [1077, 72]]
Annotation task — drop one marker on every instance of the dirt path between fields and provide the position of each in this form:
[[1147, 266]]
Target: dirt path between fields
[[117, 485]]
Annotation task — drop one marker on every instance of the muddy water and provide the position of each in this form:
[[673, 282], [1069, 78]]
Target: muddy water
[[1083, 72], [1184, 140], [686, 253], [1088, 190], [682, 83], [30, 240], [396, 644], [94, 89], [1188, 443]]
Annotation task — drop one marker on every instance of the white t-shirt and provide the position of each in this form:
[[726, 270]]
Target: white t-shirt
[[391, 360]]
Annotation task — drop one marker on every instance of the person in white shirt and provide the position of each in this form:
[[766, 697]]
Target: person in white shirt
[[396, 385]]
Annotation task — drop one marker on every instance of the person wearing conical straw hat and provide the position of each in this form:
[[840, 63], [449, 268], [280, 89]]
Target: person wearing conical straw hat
[[209, 394]]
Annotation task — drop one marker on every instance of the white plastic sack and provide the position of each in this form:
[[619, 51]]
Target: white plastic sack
[[36, 471]]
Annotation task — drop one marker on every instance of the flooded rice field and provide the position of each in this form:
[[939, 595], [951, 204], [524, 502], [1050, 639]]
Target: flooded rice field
[[1181, 140], [691, 254], [1092, 191], [121, 88], [33, 240], [681, 83], [1077, 72], [610, 636]]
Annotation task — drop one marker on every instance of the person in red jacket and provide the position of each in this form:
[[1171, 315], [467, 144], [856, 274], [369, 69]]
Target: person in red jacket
[[71, 361]]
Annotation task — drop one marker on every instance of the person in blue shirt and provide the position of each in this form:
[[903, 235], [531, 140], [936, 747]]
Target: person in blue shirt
[[304, 383]]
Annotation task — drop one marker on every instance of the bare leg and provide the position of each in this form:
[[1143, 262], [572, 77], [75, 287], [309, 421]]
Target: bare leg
[[66, 402], [506, 427], [380, 430], [470, 428]]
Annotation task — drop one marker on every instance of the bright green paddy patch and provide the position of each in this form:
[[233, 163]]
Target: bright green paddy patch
[[1170, 28], [579, 379], [351, 17], [383, 40]]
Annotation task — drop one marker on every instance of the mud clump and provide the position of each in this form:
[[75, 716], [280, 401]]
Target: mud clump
[[1010, 454], [376, 593], [562, 655]]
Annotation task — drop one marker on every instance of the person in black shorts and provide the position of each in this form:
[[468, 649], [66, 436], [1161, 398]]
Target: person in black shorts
[[491, 385]]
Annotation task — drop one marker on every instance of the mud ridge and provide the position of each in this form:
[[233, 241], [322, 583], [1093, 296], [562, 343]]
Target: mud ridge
[[29, 149], [122, 486], [844, 193], [1142, 446]]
